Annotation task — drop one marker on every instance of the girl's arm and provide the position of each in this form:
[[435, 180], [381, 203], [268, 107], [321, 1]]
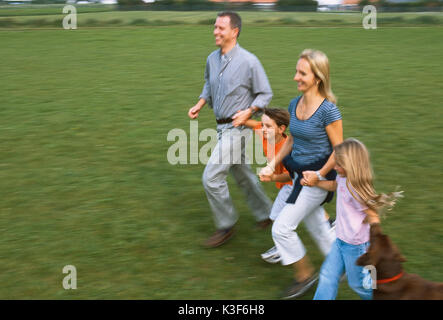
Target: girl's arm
[[251, 123], [284, 151], [283, 177], [371, 217]]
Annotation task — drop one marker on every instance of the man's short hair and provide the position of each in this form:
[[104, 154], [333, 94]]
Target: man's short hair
[[235, 20]]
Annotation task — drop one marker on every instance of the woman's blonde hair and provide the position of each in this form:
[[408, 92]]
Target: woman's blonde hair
[[319, 63], [353, 157]]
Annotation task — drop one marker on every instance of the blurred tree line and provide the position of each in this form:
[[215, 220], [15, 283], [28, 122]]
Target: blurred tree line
[[39, 2], [281, 5], [403, 6], [417, 3], [300, 5]]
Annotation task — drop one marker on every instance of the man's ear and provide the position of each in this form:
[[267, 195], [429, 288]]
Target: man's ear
[[237, 32]]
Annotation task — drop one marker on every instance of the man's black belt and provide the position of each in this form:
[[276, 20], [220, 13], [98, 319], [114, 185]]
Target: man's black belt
[[224, 120]]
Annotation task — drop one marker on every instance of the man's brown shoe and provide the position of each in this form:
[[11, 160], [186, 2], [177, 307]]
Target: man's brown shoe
[[219, 237], [261, 225]]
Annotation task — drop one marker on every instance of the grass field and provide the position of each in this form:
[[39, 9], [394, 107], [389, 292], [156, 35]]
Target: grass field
[[84, 179]]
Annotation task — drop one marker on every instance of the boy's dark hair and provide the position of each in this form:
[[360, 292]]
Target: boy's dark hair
[[280, 116], [235, 20]]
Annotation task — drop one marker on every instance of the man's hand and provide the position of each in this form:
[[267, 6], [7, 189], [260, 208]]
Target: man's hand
[[193, 112], [241, 117]]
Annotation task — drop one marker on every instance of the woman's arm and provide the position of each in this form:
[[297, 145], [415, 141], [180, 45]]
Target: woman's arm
[[335, 135]]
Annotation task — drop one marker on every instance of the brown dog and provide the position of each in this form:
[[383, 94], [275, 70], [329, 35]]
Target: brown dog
[[393, 283]]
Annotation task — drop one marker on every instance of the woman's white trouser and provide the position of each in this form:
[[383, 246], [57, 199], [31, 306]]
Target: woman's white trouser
[[307, 209]]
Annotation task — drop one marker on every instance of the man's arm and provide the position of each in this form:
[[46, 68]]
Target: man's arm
[[205, 96], [260, 88], [206, 92], [194, 111]]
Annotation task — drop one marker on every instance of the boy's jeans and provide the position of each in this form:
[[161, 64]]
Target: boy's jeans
[[341, 259]]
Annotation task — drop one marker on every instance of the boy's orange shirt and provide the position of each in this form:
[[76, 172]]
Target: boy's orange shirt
[[279, 169]]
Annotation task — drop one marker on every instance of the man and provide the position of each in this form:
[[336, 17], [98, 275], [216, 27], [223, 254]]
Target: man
[[235, 87]]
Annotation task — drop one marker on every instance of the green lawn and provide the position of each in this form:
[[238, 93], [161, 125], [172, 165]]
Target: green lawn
[[84, 178]]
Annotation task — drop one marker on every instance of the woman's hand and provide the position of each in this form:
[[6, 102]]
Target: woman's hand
[[310, 179]]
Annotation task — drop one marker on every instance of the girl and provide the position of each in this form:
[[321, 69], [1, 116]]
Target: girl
[[357, 206]]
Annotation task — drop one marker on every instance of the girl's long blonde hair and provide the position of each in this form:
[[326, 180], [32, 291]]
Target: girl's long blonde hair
[[319, 63], [353, 157]]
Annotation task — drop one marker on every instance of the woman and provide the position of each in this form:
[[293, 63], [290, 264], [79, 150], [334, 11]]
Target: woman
[[315, 127]]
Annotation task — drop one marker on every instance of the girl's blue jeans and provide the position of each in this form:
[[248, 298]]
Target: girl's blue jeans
[[341, 259]]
